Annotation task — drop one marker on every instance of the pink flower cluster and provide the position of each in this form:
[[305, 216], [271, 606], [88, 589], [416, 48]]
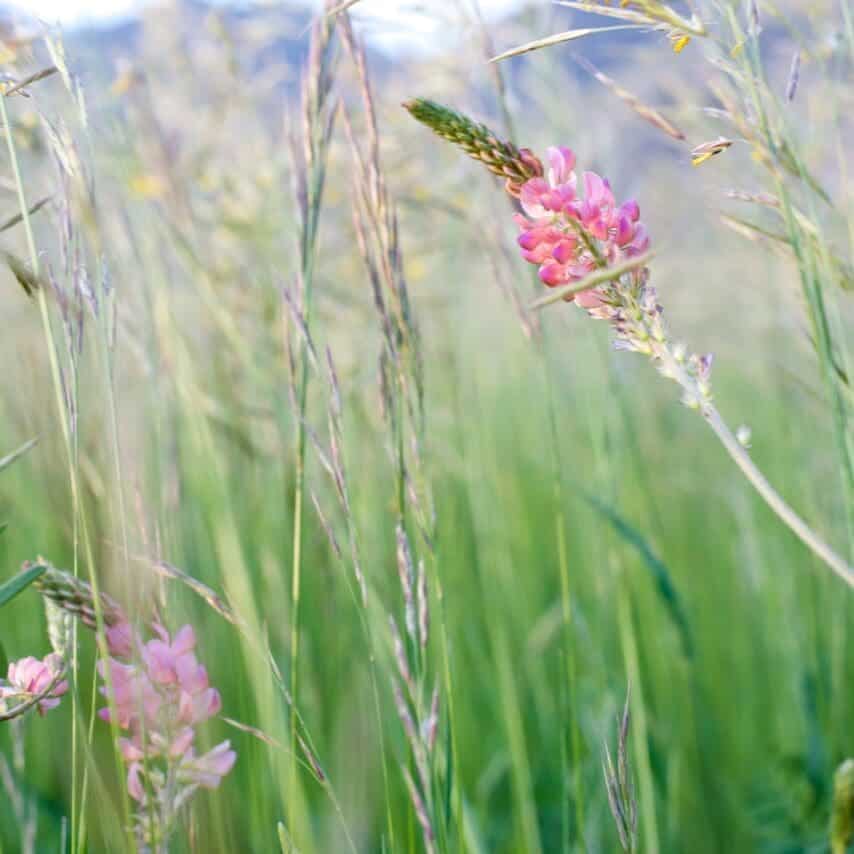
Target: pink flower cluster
[[159, 693], [29, 677], [569, 236]]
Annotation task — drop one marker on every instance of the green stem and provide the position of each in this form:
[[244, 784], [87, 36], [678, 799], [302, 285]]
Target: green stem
[[773, 499]]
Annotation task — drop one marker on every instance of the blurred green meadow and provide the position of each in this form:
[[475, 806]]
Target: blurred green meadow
[[581, 531]]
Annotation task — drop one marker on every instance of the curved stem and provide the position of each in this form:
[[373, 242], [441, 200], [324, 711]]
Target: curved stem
[[773, 499]]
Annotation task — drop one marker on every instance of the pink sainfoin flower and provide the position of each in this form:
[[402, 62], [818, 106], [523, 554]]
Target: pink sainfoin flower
[[569, 235], [29, 677], [159, 693]]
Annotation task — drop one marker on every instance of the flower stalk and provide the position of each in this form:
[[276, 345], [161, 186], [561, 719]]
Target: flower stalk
[[593, 252]]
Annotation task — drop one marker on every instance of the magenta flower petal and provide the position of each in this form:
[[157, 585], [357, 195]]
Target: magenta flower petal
[[631, 209], [552, 274], [564, 251]]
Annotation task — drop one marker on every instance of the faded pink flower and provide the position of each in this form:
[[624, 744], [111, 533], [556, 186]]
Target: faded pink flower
[[160, 693], [162, 657], [29, 677], [207, 770], [194, 708], [122, 640], [132, 692], [567, 236], [135, 788]]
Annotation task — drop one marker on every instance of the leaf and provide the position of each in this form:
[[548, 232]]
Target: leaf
[[8, 460], [657, 568], [648, 114], [17, 583]]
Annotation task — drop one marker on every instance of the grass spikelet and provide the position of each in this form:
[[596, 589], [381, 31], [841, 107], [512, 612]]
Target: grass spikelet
[[75, 595], [648, 114], [619, 786], [559, 38], [29, 281], [648, 13], [21, 86], [706, 150], [842, 817], [6, 461], [794, 77], [14, 220], [502, 158]]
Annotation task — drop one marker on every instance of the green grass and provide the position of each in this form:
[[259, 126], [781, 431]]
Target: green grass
[[589, 531]]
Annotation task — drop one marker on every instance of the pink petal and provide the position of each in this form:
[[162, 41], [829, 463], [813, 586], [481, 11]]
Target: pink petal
[[631, 209], [121, 640], [594, 188], [552, 274], [588, 299], [184, 641], [561, 162], [530, 197], [135, 789], [625, 231], [181, 743], [640, 243], [529, 239], [130, 750], [563, 251]]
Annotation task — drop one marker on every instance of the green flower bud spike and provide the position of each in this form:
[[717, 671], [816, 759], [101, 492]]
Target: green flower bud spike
[[502, 158], [842, 820]]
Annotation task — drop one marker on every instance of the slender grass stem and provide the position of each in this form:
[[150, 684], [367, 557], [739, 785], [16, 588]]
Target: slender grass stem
[[773, 499], [69, 440]]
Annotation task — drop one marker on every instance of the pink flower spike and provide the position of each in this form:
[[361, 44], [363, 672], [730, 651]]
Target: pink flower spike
[[561, 162]]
